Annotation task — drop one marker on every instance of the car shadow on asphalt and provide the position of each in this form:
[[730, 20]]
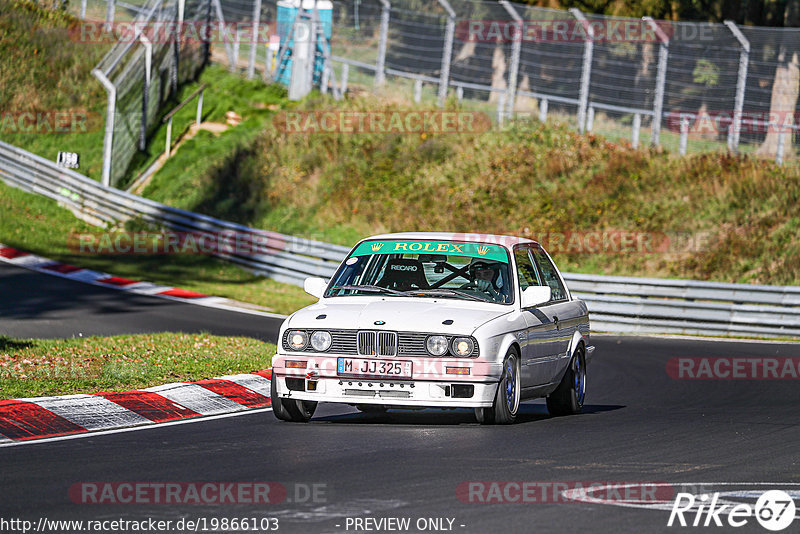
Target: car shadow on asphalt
[[528, 413]]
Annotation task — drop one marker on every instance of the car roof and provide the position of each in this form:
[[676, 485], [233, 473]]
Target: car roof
[[507, 241]]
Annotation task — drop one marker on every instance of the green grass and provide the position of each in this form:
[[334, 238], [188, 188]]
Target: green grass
[[527, 179], [39, 225], [40, 367], [44, 68], [253, 100]]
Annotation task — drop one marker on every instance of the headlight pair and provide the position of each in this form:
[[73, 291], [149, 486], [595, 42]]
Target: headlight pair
[[438, 346], [299, 339]]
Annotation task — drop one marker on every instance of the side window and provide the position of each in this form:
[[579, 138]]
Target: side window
[[549, 274], [525, 269]]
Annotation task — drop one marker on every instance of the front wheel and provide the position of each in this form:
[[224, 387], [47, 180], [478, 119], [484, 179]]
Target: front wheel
[[506, 400], [568, 397], [295, 411]]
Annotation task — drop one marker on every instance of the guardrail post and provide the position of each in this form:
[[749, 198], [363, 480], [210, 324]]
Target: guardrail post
[[684, 135], [586, 70], [148, 65], [516, 49], [460, 93], [380, 67], [637, 126], [741, 85], [449, 33], [661, 78], [109, 14], [417, 90], [590, 118], [108, 138], [542, 110], [251, 62]]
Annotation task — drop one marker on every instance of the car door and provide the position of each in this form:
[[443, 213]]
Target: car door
[[564, 313], [534, 369]]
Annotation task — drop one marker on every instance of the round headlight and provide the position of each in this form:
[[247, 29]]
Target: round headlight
[[297, 339], [463, 346], [436, 345], [321, 340]]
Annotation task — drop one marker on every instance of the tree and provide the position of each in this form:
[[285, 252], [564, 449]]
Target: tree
[[786, 86]]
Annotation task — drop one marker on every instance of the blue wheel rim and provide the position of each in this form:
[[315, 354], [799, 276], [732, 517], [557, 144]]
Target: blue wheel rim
[[511, 383], [580, 380]]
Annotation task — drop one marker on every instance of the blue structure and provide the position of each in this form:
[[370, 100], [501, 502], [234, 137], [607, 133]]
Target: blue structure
[[287, 13]]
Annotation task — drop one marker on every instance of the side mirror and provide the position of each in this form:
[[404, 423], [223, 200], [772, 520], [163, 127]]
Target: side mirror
[[535, 295], [315, 286]]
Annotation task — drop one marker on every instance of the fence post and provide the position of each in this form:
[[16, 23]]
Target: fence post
[[516, 48], [417, 90], [83, 9], [542, 110], [684, 135], [345, 73], [460, 93], [148, 65], [108, 138], [586, 71], [325, 78], [169, 137], [501, 108], [199, 117], [225, 34], [661, 78], [109, 14], [637, 126], [590, 118], [444, 78], [741, 84], [380, 70], [251, 62], [177, 46], [781, 144]]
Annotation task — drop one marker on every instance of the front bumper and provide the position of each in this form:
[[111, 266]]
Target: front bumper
[[430, 385]]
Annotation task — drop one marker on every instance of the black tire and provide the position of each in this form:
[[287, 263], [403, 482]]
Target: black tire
[[569, 396], [506, 400], [295, 411]]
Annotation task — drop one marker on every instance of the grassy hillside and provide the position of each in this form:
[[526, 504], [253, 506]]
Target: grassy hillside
[[44, 69], [39, 225], [737, 218]]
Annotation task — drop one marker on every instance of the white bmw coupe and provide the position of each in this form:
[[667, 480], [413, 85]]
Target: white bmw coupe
[[435, 320]]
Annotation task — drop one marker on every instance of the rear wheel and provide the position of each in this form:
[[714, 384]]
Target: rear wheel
[[568, 397], [506, 400], [292, 410]]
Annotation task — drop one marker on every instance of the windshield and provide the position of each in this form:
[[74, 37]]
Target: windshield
[[416, 268]]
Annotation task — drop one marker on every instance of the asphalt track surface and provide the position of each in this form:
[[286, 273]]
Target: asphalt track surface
[[639, 425]]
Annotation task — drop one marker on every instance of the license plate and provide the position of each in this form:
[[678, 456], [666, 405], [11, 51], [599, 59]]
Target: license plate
[[372, 368]]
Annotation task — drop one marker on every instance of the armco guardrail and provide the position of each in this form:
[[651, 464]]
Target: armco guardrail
[[616, 304], [287, 258]]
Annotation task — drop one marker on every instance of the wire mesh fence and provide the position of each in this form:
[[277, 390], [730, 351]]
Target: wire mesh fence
[[685, 86]]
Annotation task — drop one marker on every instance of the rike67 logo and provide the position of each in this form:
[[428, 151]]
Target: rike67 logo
[[774, 510]]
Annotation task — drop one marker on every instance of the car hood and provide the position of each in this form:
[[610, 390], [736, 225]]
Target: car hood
[[397, 314]]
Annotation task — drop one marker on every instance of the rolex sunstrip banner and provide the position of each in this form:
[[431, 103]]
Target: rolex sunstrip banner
[[447, 248]]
